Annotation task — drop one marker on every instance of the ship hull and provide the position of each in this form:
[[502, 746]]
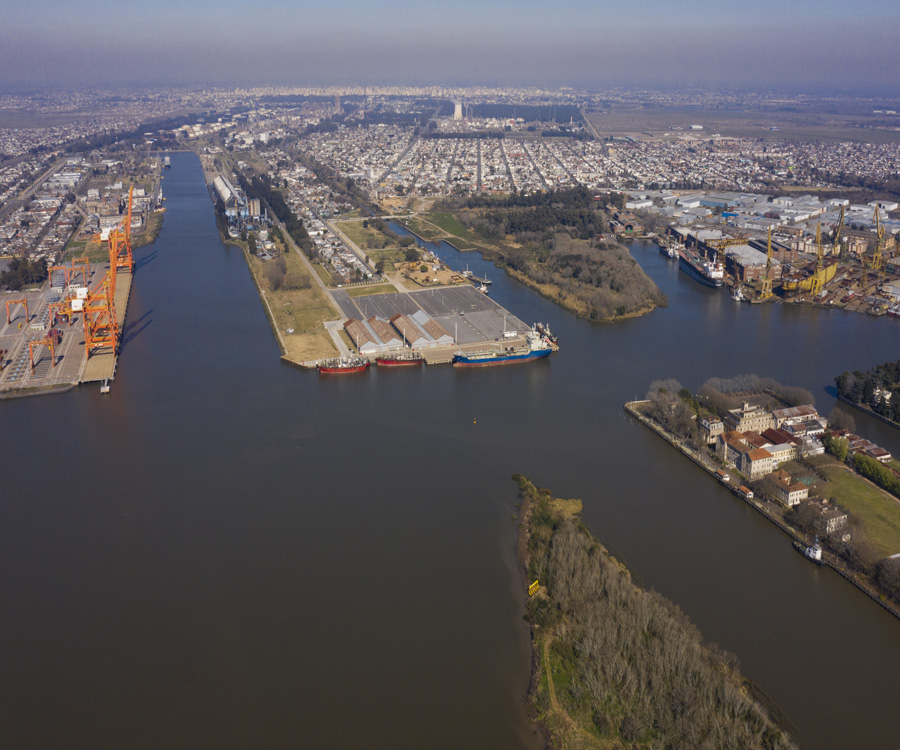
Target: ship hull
[[325, 370], [696, 274], [461, 360], [384, 362]]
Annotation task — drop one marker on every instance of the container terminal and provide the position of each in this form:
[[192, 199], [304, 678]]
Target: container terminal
[[69, 331]]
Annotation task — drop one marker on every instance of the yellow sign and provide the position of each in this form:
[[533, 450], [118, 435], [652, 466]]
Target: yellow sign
[[533, 588]]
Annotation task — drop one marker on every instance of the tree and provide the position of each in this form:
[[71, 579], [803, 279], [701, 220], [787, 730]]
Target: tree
[[412, 254], [837, 447], [379, 267], [275, 273], [251, 243], [839, 419]]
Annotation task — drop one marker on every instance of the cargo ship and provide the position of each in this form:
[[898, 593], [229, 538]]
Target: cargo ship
[[343, 365], [400, 359], [706, 272], [536, 347]]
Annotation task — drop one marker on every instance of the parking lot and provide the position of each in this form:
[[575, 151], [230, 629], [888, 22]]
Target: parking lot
[[465, 313]]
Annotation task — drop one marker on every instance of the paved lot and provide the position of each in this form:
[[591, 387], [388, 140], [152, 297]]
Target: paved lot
[[464, 312]]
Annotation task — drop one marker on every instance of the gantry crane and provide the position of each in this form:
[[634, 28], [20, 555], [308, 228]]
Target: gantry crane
[[101, 326], [819, 276], [120, 240], [720, 246], [836, 248], [14, 302], [766, 290]]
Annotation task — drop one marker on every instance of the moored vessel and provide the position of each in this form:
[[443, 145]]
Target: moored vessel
[[342, 365], [811, 552], [706, 272], [536, 347], [400, 359]]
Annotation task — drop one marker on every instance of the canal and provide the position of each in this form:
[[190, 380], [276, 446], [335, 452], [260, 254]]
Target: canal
[[229, 552]]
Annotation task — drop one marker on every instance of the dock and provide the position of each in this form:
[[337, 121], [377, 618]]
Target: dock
[[102, 364], [69, 366]]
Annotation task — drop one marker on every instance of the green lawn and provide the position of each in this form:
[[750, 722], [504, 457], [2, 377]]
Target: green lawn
[[879, 511], [451, 225], [389, 255]]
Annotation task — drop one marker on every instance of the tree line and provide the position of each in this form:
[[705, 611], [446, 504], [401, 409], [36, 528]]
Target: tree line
[[628, 665], [22, 273], [861, 387]]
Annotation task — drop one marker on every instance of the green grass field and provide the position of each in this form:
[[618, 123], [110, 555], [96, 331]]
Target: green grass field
[[451, 225], [879, 511]]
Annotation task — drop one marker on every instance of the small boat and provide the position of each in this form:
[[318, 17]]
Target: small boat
[[478, 280], [811, 552], [400, 359], [737, 293], [483, 289], [342, 365], [467, 274]]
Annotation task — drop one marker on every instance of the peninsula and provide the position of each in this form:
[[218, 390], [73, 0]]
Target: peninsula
[[615, 664]]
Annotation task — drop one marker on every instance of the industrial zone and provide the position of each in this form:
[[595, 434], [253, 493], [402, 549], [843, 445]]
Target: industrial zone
[[69, 331]]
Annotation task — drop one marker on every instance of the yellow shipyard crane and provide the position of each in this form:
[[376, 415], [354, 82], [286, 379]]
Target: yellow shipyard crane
[[766, 290], [818, 277]]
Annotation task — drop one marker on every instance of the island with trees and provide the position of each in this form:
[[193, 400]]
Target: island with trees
[[875, 391], [617, 666]]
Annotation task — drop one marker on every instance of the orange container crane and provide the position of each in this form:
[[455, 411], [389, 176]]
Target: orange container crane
[[48, 342], [22, 301], [66, 270], [120, 241], [101, 326]]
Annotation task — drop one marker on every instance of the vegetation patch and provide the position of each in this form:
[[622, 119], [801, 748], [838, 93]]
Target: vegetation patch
[[297, 307], [617, 666], [559, 244]]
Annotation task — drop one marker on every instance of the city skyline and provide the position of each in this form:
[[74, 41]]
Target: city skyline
[[769, 45]]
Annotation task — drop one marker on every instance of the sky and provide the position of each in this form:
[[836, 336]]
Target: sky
[[824, 45]]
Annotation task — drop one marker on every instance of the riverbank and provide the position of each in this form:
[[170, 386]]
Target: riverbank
[[613, 663], [871, 412], [581, 299], [769, 511]]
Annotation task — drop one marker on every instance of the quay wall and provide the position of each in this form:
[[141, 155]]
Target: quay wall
[[828, 559]]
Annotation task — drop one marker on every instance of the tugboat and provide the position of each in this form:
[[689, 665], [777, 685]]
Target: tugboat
[[811, 552], [342, 365]]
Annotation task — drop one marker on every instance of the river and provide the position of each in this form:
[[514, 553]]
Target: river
[[227, 552]]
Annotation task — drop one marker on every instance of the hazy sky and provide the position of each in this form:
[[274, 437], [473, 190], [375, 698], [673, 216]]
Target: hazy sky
[[766, 43]]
